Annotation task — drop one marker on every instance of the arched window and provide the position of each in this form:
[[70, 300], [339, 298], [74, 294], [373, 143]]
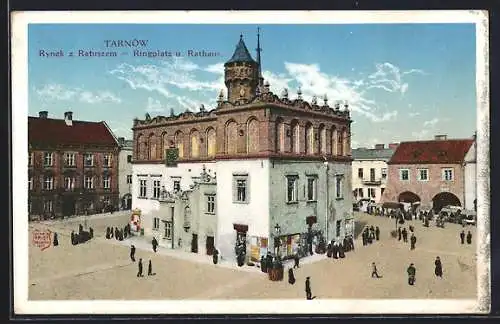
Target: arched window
[[294, 137], [211, 142], [345, 138], [152, 147], [340, 142], [164, 145], [195, 144], [252, 136], [309, 138], [179, 143], [334, 141], [280, 135], [322, 139], [139, 147], [231, 137]]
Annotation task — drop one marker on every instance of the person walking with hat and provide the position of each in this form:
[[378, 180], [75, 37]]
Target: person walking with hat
[[308, 288]]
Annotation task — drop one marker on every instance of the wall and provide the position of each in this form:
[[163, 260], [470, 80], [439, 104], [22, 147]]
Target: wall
[[470, 178], [255, 214], [124, 169], [366, 165]]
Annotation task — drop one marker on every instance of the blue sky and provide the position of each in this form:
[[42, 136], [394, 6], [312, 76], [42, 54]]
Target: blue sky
[[402, 81]]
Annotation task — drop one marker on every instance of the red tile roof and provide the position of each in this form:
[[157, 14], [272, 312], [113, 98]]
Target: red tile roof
[[55, 131], [432, 152]]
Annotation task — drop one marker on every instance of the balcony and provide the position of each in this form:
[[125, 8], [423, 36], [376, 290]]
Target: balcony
[[372, 181]]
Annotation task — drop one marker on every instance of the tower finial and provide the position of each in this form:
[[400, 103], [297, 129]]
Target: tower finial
[[261, 79], [241, 36]]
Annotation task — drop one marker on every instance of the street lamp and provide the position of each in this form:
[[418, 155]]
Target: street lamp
[[277, 241]]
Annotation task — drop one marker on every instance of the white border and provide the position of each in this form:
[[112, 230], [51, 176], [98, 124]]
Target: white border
[[20, 21]]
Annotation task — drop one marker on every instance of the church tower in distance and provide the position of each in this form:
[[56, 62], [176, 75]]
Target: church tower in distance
[[241, 74]]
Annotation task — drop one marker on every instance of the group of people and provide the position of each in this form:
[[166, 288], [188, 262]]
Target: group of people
[[117, 233], [82, 236], [336, 249], [462, 237], [139, 265], [403, 234], [370, 234]]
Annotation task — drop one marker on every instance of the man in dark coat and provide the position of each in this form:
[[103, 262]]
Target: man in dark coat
[[291, 277], [399, 233], [139, 272], [91, 232], [154, 242], [56, 240], [269, 260], [215, 257], [335, 251], [132, 253], [111, 232], [117, 233], [363, 235], [296, 261], [107, 233], [73, 238], [341, 251], [351, 242], [469, 237], [411, 274], [405, 235], [329, 250], [377, 233], [150, 269], [80, 228], [308, 288], [462, 237], [413, 241], [374, 271], [438, 271]]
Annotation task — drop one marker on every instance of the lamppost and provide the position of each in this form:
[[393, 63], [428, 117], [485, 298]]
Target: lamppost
[[277, 239]]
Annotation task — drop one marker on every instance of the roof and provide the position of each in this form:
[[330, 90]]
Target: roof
[[372, 154], [432, 152], [241, 53], [55, 131]]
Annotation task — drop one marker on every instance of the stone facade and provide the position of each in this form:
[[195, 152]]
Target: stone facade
[[125, 172]]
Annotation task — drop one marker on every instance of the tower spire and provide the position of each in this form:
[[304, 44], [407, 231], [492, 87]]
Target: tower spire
[[261, 79]]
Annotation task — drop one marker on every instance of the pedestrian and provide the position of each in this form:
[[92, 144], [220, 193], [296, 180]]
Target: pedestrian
[[462, 237], [405, 235], [291, 277], [111, 232], [413, 241], [363, 235], [374, 271], [125, 233], [411, 274], [154, 242], [469, 237], [139, 273], [80, 228], [377, 233], [308, 288], [107, 233], [399, 233], [117, 233], [132, 253], [56, 240], [341, 251], [91, 232], [411, 228], [150, 269], [296, 261], [73, 238], [438, 271], [351, 242]]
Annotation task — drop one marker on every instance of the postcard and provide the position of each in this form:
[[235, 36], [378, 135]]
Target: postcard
[[251, 162]]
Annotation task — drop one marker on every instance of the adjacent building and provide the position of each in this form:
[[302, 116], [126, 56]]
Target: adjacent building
[[275, 165], [369, 171], [72, 166], [433, 174], [125, 172]]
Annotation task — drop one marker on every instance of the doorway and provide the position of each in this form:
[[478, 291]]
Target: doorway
[[68, 206], [194, 243], [210, 245]]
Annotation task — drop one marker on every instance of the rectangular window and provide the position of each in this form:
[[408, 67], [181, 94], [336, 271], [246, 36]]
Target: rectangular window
[[360, 173], [372, 174], [48, 206], [106, 182], [168, 230], [241, 190], [337, 228], [48, 158], [361, 193], [292, 186], [89, 182], [311, 188], [156, 189], [129, 158], [177, 185], [30, 183], [30, 158], [404, 174], [210, 204], [382, 191], [129, 179], [69, 159], [156, 223], [142, 188], [371, 192], [338, 187], [48, 183], [384, 173], [423, 174], [69, 183], [447, 174], [107, 160], [88, 160], [106, 200]]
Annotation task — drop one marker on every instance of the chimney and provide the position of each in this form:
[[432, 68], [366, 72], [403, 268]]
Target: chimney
[[68, 118], [43, 114], [440, 137], [379, 146], [393, 146]]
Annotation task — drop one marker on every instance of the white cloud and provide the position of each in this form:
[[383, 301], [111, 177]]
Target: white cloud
[[154, 106], [389, 77], [217, 68], [430, 123], [54, 91], [414, 114], [422, 134]]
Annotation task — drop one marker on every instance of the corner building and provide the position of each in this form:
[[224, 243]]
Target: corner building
[[278, 166]]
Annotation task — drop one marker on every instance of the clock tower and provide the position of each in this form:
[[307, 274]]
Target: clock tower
[[241, 75]]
